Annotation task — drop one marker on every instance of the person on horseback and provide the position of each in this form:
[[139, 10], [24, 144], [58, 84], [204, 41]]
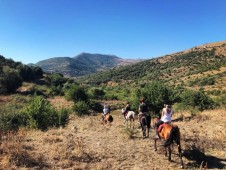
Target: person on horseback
[[143, 109], [127, 108], [106, 111], [166, 117]]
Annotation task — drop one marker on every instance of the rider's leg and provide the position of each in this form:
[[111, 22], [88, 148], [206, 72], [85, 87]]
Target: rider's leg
[[157, 126]]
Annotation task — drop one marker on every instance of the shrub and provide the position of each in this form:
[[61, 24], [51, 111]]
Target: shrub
[[11, 118], [156, 95], [10, 80], [97, 93], [109, 96], [63, 117], [95, 106], [76, 93], [81, 108], [197, 99], [41, 115]]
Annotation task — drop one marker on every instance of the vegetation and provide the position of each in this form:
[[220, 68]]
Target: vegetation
[[12, 74], [161, 80]]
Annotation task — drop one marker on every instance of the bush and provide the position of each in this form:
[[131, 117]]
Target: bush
[[63, 117], [109, 96], [221, 100], [41, 115], [97, 93], [76, 93], [11, 118], [10, 80], [156, 95], [197, 99], [81, 108], [95, 106]]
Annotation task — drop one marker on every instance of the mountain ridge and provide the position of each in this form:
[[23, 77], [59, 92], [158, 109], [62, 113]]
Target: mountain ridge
[[82, 64]]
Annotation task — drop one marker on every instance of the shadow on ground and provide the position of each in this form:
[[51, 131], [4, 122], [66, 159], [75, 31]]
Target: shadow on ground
[[197, 157]]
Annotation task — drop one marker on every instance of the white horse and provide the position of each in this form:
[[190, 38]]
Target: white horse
[[130, 116]]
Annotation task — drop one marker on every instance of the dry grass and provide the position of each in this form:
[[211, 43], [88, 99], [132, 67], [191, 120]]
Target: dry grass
[[15, 154]]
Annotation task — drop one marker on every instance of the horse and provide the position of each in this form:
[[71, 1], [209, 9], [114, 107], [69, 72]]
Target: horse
[[130, 116], [170, 133], [108, 119], [145, 122]]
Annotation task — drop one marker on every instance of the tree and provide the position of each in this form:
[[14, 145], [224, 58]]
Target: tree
[[10, 80]]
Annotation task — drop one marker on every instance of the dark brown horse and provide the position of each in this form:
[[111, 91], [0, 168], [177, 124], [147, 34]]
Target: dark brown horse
[[145, 122], [170, 133]]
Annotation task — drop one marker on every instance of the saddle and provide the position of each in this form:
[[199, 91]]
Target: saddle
[[162, 125]]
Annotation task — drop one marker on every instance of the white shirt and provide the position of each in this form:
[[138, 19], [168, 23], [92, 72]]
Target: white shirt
[[105, 110], [167, 116]]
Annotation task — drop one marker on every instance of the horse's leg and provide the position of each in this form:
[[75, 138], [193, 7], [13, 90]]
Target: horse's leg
[[177, 140], [170, 151], [148, 130], [180, 156], [155, 144], [166, 151], [148, 122], [144, 131]]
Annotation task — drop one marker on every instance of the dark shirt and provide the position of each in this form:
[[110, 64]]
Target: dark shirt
[[127, 108], [143, 107]]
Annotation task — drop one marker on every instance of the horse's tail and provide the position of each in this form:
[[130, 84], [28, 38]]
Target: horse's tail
[[176, 138], [110, 119], [176, 135], [143, 121], [148, 121], [133, 115]]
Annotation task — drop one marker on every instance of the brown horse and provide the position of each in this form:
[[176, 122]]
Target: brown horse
[[170, 133], [108, 119]]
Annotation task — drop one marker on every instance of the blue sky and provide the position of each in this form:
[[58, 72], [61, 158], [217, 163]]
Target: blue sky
[[34, 30]]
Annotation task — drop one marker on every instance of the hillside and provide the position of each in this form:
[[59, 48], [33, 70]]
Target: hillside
[[82, 64], [201, 66], [86, 144]]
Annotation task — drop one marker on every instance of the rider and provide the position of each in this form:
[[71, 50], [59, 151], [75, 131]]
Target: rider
[[106, 111], [127, 109], [166, 117], [143, 109]]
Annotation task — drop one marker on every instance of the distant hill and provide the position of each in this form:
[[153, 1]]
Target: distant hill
[[82, 64], [198, 67]]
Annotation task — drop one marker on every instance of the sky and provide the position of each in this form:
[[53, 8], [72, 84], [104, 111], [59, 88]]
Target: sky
[[35, 30]]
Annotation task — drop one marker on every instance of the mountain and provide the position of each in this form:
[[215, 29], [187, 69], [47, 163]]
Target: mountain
[[82, 64], [198, 67]]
